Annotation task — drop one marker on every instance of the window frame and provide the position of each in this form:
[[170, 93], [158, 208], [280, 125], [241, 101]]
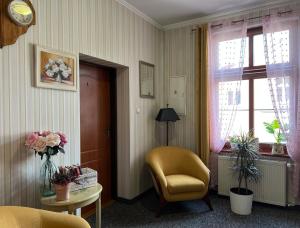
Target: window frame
[[251, 73]]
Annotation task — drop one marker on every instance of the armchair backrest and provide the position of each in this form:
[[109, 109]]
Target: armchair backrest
[[173, 160]]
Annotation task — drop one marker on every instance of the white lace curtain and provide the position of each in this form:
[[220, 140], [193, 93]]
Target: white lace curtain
[[226, 43], [282, 54]]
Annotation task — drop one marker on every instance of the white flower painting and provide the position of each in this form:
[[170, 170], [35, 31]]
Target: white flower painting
[[55, 69], [58, 70]]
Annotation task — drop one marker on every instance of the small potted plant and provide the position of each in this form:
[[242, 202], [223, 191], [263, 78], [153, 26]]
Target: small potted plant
[[274, 129], [244, 166], [61, 181], [233, 140]]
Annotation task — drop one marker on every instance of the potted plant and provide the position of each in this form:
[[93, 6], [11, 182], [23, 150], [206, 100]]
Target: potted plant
[[244, 166], [274, 129], [61, 181], [233, 140]]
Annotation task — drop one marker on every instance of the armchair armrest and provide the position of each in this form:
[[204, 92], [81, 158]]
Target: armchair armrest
[[197, 168], [13, 217], [52, 219], [158, 174]]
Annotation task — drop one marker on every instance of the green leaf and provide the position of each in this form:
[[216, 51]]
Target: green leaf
[[55, 151], [61, 150], [269, 128], [50, 150], [275, 124]]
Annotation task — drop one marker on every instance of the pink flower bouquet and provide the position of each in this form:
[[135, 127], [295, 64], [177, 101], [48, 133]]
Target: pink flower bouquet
[[46, 143]]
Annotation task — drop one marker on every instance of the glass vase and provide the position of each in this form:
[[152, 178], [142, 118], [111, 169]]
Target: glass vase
[[47, 170]]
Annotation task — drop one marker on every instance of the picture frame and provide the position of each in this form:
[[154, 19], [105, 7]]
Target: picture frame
[[177, 94], [147, 80], [55, 69]]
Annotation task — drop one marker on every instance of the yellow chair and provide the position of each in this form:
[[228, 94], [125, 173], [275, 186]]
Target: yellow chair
[[24, 217], [178, 175]]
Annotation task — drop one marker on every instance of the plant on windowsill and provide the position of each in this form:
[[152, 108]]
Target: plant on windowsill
[[274, 129], [62, 180], [245, 156], [233, 140]]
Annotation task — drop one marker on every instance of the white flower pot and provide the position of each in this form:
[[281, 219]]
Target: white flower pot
[[241, 203], [234, 146], [277, 149]]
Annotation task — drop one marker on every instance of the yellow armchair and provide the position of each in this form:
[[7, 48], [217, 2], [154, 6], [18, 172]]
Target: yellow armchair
[[24, 217], [178, 175]]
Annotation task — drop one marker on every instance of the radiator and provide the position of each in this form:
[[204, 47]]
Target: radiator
[[271, 188]]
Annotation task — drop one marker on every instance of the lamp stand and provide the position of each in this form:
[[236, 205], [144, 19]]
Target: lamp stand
[[167, 133]]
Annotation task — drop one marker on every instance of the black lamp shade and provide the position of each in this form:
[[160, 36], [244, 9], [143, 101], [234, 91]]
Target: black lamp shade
[[167, 114]]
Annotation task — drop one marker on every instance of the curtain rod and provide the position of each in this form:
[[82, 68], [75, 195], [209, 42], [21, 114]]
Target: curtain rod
[[251, 18]]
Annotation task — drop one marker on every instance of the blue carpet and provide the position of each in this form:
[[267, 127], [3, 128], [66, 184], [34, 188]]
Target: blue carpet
[[194, 214]]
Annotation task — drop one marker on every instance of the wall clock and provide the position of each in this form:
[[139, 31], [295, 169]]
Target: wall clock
[[16, 16], [20, 12]]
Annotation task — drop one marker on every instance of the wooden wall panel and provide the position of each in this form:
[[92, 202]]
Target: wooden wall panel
[[101, 28]]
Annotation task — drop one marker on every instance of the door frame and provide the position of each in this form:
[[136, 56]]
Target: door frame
[[124, 177]]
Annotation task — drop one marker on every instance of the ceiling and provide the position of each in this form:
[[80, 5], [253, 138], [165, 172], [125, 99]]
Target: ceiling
[[167, 12]]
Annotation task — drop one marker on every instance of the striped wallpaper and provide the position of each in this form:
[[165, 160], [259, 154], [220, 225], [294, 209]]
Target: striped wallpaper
[[180, 61], [101, 28]]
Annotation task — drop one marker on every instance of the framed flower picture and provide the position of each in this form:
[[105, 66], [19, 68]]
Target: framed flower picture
[[55, 69]]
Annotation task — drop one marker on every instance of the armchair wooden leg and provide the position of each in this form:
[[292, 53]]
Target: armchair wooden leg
[[162, 204], [207, 201]]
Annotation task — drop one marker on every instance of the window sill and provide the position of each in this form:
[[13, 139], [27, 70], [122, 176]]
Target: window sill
[[266, 154], [265, 149]]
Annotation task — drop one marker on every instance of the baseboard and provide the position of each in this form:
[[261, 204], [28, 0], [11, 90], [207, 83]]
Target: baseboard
[[135, 199]]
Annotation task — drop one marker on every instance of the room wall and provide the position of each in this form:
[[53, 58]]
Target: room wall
[[104, 29], [180, 61]]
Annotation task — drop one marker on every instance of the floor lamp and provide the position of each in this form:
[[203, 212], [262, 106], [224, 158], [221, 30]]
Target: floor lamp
[[166, 115]]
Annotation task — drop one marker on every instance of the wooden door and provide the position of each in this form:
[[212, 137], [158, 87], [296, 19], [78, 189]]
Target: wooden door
[[95, 125]]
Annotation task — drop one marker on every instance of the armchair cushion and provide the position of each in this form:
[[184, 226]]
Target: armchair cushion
[[183, 183]]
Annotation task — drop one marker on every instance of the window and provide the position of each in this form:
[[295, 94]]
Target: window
[[230, 47], [253, 100]]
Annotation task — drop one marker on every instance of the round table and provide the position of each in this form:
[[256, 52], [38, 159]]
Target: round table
[[78, 199]]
